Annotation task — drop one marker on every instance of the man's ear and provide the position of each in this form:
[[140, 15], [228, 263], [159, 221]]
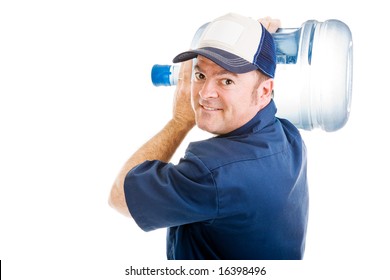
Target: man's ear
[[265, 92]]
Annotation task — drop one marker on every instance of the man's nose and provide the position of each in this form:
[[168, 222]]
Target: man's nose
[[208, 90]]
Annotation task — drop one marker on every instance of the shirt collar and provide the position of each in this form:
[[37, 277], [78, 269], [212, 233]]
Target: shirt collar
[[262, 119]]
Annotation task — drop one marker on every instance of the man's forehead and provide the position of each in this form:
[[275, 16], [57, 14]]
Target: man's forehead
[[204, 64]]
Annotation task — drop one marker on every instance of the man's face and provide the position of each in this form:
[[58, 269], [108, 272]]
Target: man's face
[[223, 101]]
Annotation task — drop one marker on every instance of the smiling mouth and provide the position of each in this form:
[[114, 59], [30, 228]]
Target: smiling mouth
[[209, 108]]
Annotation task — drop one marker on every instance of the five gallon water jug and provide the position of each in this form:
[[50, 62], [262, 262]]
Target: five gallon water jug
[[313, 79]]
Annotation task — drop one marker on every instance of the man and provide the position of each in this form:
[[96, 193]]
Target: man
[[241, 194]]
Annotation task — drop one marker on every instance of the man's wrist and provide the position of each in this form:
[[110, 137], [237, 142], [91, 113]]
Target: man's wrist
[[181, 125]]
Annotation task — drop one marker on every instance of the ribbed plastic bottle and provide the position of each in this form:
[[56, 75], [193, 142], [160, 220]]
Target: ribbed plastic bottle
[[313, 78]]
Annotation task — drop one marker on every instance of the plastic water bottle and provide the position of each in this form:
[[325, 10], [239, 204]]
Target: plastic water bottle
[[313, 78], [167, 75]]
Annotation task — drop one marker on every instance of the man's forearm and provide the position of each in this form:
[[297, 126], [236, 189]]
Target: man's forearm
[[161, 147]]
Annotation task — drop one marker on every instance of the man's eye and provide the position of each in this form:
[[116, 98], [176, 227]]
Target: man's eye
[[199, 76], [227, 82]]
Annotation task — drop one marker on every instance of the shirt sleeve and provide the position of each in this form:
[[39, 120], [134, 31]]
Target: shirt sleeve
[[162, 194]]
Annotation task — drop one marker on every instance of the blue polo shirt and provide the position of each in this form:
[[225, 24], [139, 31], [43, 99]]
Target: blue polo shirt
[[242, 195]]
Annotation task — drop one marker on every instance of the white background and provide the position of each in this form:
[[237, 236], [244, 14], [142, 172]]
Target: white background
[[76, 100]]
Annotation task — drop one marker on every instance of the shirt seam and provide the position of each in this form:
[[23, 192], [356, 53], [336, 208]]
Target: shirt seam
[[246, 159], [214, 184]]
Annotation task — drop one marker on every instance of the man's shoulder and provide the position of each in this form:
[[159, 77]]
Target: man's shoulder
[[217, 152]]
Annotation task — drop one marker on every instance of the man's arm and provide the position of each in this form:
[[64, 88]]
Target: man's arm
[[164, 144]]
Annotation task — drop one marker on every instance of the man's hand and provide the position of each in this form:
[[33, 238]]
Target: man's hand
[[270, 24], [182, 109]]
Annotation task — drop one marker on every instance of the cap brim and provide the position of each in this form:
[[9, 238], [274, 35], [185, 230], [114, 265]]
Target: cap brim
[[226, 60]]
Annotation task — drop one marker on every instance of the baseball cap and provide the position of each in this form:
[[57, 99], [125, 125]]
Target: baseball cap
[[237, 43]]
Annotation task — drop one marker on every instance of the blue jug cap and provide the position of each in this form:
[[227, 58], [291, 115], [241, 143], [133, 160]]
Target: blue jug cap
[[161, 74]]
